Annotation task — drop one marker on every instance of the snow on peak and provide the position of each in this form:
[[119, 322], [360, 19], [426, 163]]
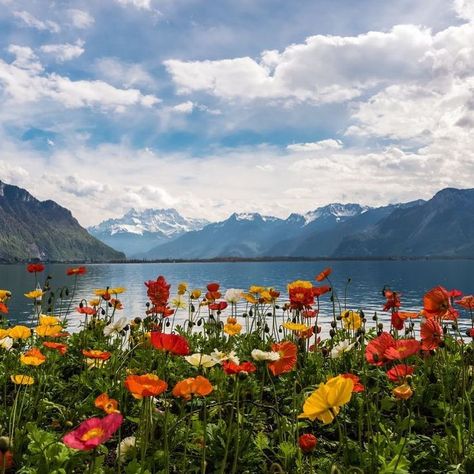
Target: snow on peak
[[336, 210], [164, 221]]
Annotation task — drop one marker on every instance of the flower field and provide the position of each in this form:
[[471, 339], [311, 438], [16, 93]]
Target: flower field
[[235, 381]]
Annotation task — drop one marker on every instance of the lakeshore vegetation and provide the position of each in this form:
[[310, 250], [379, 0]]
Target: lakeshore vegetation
[[235, 381]]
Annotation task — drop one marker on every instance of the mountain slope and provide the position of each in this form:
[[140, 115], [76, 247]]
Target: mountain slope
[[241, 235], [33, 229], [139, 231], [443, 226]]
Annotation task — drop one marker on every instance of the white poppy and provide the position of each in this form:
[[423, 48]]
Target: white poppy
[[233, 295], [115, 327], [341, 348], [259, 355], [203, 360]]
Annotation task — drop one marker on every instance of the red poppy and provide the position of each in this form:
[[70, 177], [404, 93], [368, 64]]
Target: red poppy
[[230, 368], [437, 304], [310, 313], [324, 274], [301, 298], [218, 306], [431, 334], [3, 308], [358, 387], [35, 267], [397, 321], [470, 332], [173, 343], [466, 302], [288, 352], [76, 271], [402, 349], [86, 310], [376, 348], [307, 442], [320, 290], [158, 291], [213, 287], [393, 300], [57, 346], [398, 373], [6, 459]]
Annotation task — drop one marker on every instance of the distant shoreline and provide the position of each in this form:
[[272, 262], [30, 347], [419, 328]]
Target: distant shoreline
[[246, 260]]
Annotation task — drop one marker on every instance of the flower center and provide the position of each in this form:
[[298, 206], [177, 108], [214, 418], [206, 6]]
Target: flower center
[[92, 433]]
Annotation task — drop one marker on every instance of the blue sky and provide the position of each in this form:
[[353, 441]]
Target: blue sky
[[217, 106]]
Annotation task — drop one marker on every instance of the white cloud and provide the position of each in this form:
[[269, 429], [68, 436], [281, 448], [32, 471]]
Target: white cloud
[[80, 18], [23, 81], [31, 21], [123, 73], [142, 4], [64, 52], [322, 145], [464, 8], [324, 69], [184, 108]]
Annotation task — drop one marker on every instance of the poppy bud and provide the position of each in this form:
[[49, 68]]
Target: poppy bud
[[277, 306], [324, 352], [147, 304], [244, 315], [333, 324], [267, 329], [199, 322], [307, 442], [5, 443], [442, 344], [191, 324], [137, 320], [269, 315], [380, 326], [168, 324], [67, 292], [332, 333], [374, 317], [250, 313], [293, 320], [193, 309], [445, 330], [103, 311], [50, 300], [339, 318], [319, 329]]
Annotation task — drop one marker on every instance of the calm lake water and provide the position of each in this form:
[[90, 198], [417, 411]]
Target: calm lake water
[[411, 278]]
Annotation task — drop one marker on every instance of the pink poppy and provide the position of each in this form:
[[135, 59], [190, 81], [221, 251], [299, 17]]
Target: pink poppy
[[92, 432]]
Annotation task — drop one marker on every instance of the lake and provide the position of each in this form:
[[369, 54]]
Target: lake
[[410, 277]]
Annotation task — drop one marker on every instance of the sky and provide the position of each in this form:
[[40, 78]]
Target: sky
[[211, 107]]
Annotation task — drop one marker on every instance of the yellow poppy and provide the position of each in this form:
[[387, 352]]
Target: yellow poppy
[[19, 332], [326, 401], [4, 294], [22, 379], [402, 392], [45, 320], [3, 333], [295, 326], [116, 291], [232, 329], [34, 294], [195, 294], [94, 302], [250, 298], [45, 330], [101, 292], [33, 357], [182, 287], [351, 320], [256, 289]]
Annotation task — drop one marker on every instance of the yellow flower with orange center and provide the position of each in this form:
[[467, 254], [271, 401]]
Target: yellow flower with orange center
[[35, 294], [104, 402], [195, 294], [232, 329]]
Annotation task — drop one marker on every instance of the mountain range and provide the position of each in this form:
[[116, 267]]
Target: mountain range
[[439, 227], [32, 229], [139, 231]]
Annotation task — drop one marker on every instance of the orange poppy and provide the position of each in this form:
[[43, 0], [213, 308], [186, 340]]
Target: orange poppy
[[324, 274], [61, 348], [192, 386], [3, 308], [376, 348], [76, 271], [288, 354], [431, 334], [86, 310], [35, 268], [398, 373], [320, 290], [147, 385], [402, 349], [104, 402], [437, 304], [95, 354], [358, 387], [466, 302]]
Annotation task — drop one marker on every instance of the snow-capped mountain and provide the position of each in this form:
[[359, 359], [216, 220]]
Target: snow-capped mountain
[[338, 211], [140, 230]]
